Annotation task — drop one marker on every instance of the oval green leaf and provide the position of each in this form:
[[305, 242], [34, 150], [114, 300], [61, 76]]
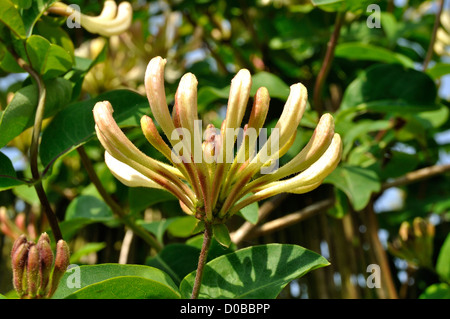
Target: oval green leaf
[[358, 183], [82, 278], [221, 234], [128, 287], [254, 272]]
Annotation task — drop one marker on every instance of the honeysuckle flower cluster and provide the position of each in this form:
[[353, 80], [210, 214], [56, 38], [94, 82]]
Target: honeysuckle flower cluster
[[212, 179], [112, 20]]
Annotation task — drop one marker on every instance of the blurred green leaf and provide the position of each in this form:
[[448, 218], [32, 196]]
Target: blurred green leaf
[[75, 257], [177, 260], [382, 88], [356, 182], [369, 52], [19, 114], [32, 13], [438, 70], [436, 291], [276, 87], [88, 207], [141, 198], [82, 211], [9, 15], [443, 261], [8, 176], [157, 228], [183, 226], [75, 125]]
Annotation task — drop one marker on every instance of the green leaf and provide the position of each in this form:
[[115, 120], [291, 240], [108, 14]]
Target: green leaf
[[75, 125], [183, 226], [258, 272], [443, 261], [342, 5], [368, 52], [207, 95], [56, 35], [250, 212], [382, 88], [356, 182], [221, 234], [85, 250], [439, 70], [399, 164], [19, 114], [436, 291], [141, 198], [116, 281], [10, 16], [88, 207], [32, 13], [157, 228], [82, 211], [2, 297], [49, 59], [177, 260], [127, 287], [8, 177], [276, 87], [359, 130]]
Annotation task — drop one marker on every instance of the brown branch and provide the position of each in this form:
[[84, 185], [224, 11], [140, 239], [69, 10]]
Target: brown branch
[[380, 253], [415, 176], [326, 65], [290, 219], [437, 22], [239, 235]]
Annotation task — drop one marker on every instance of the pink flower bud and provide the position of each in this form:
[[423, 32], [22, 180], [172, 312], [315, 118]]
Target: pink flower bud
[[62, 261]]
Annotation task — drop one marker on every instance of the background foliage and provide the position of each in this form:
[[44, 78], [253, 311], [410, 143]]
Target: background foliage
[[385, 85]]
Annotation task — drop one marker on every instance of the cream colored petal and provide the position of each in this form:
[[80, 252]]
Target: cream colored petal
[[128, 175], [238, 98], [106, 24], [156, 94], [312, 175]]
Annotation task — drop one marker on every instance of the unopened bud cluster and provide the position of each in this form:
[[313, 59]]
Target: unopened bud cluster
[[36, 272], [414, 242]]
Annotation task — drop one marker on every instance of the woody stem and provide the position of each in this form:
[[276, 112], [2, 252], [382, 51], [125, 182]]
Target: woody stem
[[207, 236]]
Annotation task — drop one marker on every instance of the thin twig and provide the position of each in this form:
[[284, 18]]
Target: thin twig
[[415, 176], [117, 210], [291, 219], [437, 22], [380, 253], [207, 236], [125, 248], [240, 234], [326, 65], [34, 150]]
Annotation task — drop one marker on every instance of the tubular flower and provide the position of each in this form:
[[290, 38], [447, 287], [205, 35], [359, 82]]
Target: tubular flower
[[112, 20], [216, 172]]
